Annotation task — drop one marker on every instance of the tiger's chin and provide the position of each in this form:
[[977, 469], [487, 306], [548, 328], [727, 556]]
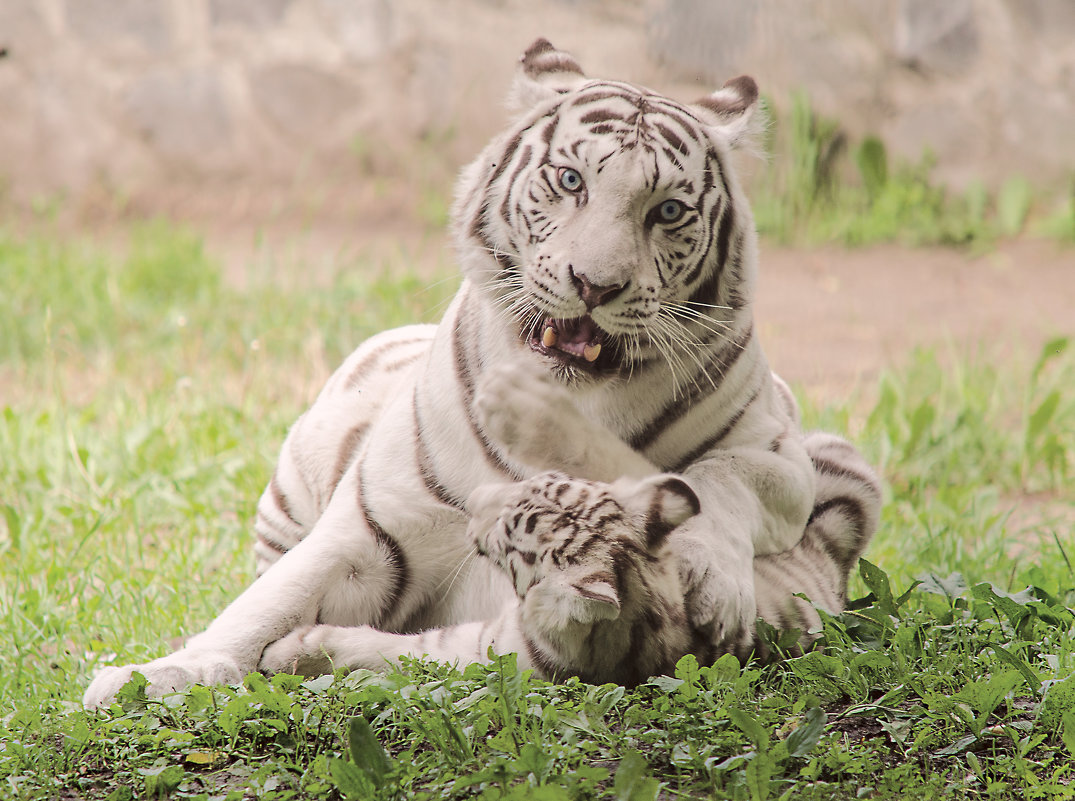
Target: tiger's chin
[[578, 348]]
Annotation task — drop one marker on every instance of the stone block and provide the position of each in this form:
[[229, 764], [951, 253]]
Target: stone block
[[248, 13], [23, 29], [706, 38], [937, 36], [303, 102], [1047, 21], [107, 24], [364, 29], [1037, 123], [184, 114]]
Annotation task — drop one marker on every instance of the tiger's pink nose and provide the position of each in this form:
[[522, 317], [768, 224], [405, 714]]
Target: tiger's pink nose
[[594, 294]]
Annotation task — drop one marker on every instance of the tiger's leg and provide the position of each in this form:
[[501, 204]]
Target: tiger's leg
[[314, 650], [340, 563], [534, 417], [846, 511]]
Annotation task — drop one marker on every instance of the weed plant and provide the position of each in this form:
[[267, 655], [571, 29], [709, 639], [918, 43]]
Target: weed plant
[[142, 401]]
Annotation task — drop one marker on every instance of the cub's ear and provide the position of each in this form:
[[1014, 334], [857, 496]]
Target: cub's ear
[[556, 601], [665, 501], [544, 73], [734, 111], [597, 599], [488, 499]]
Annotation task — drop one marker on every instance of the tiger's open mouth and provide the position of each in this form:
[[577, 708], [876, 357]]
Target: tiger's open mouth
[[578, 342]]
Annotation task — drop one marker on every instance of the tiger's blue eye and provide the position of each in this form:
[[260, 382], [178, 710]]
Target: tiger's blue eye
[[569, 179], [670, 211]]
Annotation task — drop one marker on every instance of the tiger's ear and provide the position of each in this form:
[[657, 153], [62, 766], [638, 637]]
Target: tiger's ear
[[734, 111], [544, 73], [664, 501]]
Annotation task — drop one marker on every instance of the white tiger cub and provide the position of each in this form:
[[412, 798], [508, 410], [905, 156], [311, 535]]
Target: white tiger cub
[[597, 598], [608, 249]]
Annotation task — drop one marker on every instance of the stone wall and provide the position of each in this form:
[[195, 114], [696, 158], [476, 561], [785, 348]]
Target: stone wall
[[253, 105]]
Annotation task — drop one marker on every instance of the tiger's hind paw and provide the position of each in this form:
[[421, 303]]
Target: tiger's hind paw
[[169, 674]]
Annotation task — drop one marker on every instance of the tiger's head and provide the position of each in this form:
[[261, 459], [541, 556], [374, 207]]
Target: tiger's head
[[606, 224]]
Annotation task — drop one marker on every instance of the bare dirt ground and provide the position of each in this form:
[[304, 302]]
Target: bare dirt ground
[[832, 319]]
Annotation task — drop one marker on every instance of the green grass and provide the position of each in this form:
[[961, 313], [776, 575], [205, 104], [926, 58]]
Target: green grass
[[142, 400], [823, 187]]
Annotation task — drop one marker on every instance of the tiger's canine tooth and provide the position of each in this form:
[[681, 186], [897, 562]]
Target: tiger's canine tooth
[[591, 352], [549, 338]]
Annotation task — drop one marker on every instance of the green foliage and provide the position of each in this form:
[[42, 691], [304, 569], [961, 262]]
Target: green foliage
[[1060, 223], [821, 189], [872, 161], [134, 449], [1013, 205], [937, 423], [368, 772]]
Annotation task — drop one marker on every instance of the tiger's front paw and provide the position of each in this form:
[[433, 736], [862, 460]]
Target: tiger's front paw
[[523, 409], [169, 674], [302, 652]]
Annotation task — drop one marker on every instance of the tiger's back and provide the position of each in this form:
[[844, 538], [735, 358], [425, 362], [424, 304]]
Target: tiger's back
[[324, 441]]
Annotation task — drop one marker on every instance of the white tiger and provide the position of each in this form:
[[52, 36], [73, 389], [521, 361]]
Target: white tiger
[[597, 599], [603, 328]]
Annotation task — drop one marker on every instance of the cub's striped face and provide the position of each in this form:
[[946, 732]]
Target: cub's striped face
[[605, 222], [544, 526], [580, 537]]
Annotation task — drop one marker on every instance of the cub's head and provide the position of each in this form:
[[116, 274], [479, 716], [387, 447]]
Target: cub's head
[[573, 548], [606, 223]]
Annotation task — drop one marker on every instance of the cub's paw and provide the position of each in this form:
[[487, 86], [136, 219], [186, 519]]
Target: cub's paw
[[301, 652], [169, 674], [524, 409]]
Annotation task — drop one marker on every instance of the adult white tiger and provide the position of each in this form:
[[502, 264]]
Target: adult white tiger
[[603, 328]]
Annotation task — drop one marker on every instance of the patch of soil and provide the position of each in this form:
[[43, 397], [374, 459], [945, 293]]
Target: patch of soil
[[831, 319]]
